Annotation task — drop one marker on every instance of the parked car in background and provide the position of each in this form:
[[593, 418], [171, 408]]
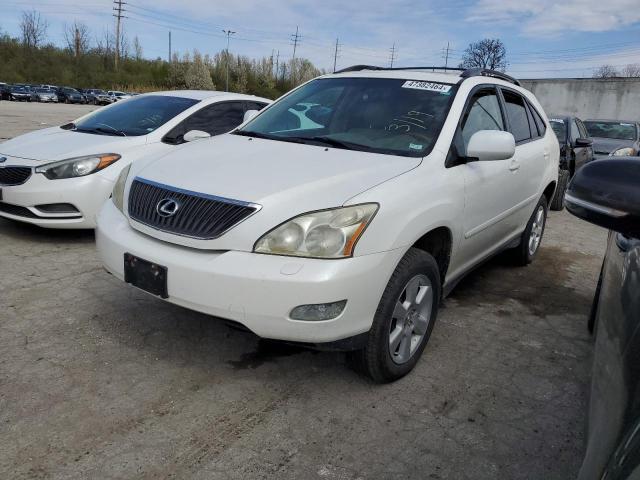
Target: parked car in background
[[70, 95], [606, 193], [576, 149], [117, 95], [614, 137], [20, 93], [341, 227], [59, 177], [98, 96], [5, 91], [45, 95], [50, 87]]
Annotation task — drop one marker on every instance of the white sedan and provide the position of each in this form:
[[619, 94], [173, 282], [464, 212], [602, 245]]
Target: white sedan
[[59, 177]]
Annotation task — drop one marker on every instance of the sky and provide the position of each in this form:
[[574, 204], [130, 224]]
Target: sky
[[543, 38]]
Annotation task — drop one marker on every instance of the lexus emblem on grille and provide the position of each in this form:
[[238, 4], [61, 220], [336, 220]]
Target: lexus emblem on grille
[[167, 207], [3, 159]]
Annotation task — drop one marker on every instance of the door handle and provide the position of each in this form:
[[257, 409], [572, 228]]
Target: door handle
[[514, 166]]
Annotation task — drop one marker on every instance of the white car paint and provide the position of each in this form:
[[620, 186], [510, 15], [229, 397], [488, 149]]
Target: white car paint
[[485, 206], [87, 193]]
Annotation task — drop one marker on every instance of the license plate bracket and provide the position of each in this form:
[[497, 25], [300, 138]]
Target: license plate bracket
[[145, 275]]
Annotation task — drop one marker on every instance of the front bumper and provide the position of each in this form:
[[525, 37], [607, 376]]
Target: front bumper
[[257, 291], [86, 194]]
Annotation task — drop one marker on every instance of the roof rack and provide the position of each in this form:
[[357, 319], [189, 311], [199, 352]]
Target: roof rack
[[486, 72], [358, 68], [466, 72]]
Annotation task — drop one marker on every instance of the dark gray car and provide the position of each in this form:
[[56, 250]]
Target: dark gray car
[[614, 137]]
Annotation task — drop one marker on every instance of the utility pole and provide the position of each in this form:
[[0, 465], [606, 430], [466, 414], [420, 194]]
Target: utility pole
[[76, 41], [446, 57], [393, 54], [277, 64], [335, 55], [169, 46], [228, 33], [119, 16], [295, 38]]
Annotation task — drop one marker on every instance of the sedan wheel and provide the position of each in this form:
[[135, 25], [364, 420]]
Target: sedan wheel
[[536, 231]]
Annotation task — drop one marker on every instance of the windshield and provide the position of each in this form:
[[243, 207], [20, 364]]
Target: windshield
[[382, 115], [559, 128], [138, 116], [43, 90], [18, 89], [615, 130]]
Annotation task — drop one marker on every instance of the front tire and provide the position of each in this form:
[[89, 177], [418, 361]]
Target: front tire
[[404, 319], [532, 236], [557, 203]]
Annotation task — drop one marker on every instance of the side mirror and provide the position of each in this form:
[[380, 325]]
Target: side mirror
[[249, 114], [487, 145], [192, 135], [583, 142], [606, 193]]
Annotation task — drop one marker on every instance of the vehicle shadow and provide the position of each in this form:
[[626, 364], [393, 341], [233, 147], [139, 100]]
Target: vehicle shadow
[[21, 231]]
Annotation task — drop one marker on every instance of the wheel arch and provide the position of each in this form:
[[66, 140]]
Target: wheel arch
[[438, 242], [549, 191]]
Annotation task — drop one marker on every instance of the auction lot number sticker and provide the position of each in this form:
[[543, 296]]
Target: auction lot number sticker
[[429, 86]]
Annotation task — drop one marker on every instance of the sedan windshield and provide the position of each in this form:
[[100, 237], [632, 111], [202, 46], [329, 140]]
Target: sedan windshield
[[615, 130], [137, 116], [382, 115]]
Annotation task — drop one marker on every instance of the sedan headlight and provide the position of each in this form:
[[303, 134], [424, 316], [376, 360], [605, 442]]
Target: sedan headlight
[[324, 234], [624, 152], [118, 188], [77, 167]]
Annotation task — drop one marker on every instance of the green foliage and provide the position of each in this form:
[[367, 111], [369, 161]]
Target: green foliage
[[95, 69]]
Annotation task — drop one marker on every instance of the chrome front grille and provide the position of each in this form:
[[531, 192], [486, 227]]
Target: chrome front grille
[[14, 175], [197, 215]]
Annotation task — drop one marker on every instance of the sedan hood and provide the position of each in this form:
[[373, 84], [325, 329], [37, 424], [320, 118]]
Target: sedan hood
[[605, 146], [265, 171], [55, 143]]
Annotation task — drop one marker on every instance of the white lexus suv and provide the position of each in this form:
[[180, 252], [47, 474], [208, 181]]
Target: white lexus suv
[[341, 214]]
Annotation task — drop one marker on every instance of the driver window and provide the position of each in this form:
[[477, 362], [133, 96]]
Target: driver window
[[483, 113]]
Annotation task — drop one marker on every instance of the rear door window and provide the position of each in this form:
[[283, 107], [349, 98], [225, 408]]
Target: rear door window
[[517, 115]]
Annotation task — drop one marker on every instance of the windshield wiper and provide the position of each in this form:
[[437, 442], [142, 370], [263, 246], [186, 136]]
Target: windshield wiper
[[246, 133], [101, 131]]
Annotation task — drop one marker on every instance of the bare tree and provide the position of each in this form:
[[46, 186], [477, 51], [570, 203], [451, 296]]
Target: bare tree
[[631, 70], [605, 71], [76, 36], [137, 48], [487, 53], [33, 28]]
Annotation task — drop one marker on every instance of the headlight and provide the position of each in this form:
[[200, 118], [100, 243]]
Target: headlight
[[118, 188], [624, 152], [325, 234], [77, 167]]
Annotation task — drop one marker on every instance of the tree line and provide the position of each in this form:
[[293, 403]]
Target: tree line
[[87, 60]]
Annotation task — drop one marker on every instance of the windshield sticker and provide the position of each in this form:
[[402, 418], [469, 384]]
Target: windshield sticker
[[627, 124], [415, 146], [558, 120], [428, 86]]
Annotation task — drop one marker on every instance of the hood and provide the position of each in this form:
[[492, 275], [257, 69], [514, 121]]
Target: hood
[[605, 146], [55, 143], [269, 172]]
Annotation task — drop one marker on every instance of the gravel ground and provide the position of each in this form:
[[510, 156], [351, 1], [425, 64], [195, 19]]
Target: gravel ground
[[98, 380]]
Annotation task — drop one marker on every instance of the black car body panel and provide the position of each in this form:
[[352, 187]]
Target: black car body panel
[[605, 192]]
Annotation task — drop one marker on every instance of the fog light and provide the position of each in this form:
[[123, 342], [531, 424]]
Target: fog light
[[318, 312]]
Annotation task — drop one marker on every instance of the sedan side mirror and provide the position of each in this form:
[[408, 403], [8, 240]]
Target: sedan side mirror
[[606, 193], [486, 145], [249, 114], [583, 142], [192, 135]]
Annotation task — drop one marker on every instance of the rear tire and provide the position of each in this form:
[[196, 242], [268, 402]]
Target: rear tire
[[404, 319], [531, 238], [557, 203]]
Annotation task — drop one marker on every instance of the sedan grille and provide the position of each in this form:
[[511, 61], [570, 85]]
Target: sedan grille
[[186, 213], [14, 175]]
